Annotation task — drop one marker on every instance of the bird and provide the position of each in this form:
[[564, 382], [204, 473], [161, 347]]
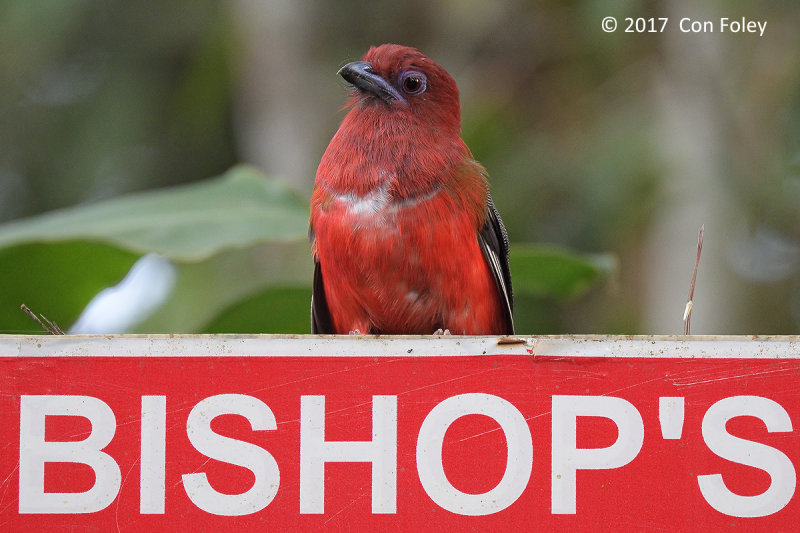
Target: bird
[[406, 239]]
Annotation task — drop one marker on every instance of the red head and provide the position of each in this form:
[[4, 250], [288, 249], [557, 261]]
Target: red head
[[404, 82]]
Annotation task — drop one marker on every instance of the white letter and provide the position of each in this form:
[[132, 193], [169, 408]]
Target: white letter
[[153, 455], [567, 458], [34, 452], [381, 451], [519, 460], [774, 462], [236, 452]]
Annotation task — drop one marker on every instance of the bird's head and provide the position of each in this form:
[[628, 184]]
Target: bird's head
[[401, 80]]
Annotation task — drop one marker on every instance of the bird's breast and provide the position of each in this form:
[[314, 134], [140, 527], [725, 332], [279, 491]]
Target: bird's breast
[[409, 264], [367, 205], [379, 206]]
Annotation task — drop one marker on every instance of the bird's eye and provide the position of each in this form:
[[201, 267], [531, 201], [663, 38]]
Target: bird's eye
[[413, 82]]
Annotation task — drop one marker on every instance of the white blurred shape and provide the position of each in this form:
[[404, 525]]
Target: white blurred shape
[[765, 256], [141, 292]]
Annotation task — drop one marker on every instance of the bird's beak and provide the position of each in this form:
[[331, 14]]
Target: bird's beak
[[362, 77]]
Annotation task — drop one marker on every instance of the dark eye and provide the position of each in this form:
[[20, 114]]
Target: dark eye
[[413, 82]]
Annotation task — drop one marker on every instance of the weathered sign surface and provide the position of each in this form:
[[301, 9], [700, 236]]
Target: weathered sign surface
[[166, 433]]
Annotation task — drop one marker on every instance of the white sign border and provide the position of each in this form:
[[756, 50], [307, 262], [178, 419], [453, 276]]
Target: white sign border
[[232, 345]]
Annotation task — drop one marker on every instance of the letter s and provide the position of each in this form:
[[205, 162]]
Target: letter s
[[773, 461]]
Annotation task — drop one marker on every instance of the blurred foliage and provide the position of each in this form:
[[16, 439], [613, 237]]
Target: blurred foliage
[[55, 279], [241, 248], [229, 237], [104, 98], [189, 223], [548, 271]]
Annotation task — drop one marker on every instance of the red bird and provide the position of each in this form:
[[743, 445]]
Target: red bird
[[406, 238]]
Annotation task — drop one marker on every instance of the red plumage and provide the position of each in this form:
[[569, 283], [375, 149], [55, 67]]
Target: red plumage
[[406, 237]]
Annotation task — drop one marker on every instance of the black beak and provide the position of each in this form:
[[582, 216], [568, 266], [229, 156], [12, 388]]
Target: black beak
[[360, 75]]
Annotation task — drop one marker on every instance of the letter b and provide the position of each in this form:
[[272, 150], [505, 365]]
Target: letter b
[[35, 451]]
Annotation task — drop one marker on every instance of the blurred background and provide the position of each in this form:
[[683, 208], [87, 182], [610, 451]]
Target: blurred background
[[607, 150]]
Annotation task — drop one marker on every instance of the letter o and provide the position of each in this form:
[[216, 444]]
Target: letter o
[[429, 454]]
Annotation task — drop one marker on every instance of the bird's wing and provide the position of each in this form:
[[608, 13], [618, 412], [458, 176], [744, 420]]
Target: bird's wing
[[320, 315], [493, 241]]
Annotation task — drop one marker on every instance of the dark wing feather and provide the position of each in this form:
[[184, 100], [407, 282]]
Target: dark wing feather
[[493, 241], [320, 315]]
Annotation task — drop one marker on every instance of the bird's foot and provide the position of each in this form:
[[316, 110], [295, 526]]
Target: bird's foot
[[441, 331], [354, 332]]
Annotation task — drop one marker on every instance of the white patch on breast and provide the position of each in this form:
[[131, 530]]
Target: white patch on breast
[[412, 296], [379, 201], [371, 203]]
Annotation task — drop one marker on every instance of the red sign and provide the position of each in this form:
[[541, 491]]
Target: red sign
[[231, 433]]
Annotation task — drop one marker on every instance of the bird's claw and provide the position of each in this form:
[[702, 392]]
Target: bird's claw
[[354, 332], [441, 331]]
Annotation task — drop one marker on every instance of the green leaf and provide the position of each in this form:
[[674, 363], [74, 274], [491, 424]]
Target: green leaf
[[206, 289], [277, 310], [186, 223], [229, 237], [550, 271], [56, 280]]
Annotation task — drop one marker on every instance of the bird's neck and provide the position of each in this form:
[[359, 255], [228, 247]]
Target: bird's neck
[[380, 151]]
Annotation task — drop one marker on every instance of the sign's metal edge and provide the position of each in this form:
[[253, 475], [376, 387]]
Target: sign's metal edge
[[232, 345]]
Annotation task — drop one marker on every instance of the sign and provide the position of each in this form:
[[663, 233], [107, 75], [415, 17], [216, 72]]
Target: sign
[[220, 433]]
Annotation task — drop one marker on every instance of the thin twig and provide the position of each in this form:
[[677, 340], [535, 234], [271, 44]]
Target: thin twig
[[687, 313], [50, 327]]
